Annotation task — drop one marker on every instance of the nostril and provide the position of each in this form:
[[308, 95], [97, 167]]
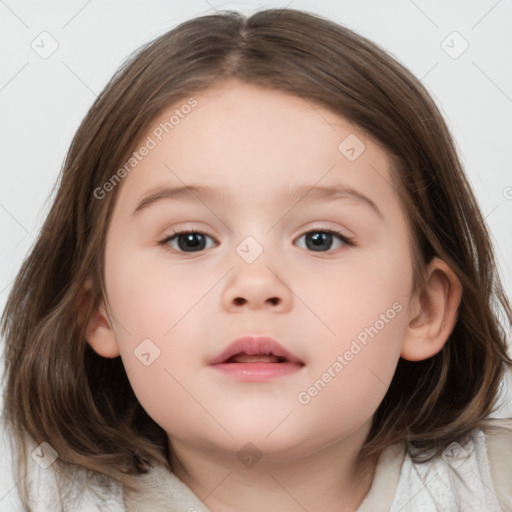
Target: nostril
[[240, 300]]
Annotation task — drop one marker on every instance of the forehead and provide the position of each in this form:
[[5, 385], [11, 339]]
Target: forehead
[[258, 144]]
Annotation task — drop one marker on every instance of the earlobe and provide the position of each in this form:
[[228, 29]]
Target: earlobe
[[434, 312], [99, 333]]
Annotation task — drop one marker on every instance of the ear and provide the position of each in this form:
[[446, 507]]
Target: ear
[[433, 313], [99, 333]]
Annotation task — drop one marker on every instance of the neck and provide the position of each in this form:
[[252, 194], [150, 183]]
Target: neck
[[325, 480]]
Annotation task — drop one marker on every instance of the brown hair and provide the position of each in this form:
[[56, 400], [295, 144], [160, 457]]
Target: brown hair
[[60, 391]]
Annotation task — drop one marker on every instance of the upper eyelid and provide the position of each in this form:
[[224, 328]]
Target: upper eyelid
[[200, 231]]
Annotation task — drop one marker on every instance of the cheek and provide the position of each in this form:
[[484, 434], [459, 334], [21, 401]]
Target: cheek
[[351, 295], [149, 296], [159, 322], [350, 377], [364, 317]]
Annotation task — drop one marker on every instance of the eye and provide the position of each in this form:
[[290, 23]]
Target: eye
[[190, 239], [319, 239]]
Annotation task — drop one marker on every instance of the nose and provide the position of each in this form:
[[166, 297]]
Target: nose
[[256, 286]]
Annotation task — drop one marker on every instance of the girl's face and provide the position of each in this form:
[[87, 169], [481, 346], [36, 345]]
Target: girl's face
[[264, 263]]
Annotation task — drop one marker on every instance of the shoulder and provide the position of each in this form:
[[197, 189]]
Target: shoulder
[[499, 452], [461, 477], [79, 493], [9, 497], [162, 491], [29, 471]]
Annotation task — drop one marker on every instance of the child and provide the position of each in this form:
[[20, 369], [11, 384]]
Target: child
[[257, 369]]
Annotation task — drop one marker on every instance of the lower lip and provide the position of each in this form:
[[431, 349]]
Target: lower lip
[[257, 372]]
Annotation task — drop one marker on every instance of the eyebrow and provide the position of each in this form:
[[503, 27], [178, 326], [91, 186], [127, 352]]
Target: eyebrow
[[298, 194]]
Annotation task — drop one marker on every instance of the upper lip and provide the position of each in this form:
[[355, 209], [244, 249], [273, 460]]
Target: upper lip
[[255, 345]]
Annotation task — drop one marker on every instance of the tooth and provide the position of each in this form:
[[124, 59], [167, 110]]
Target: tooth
[[245, 358]]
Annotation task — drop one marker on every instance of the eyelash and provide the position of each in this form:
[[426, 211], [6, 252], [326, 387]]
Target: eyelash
[[344, 238]]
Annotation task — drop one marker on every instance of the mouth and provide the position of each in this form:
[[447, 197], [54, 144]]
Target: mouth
[[242, 357], [252, 358]]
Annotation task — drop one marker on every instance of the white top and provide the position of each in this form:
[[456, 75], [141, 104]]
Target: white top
[[461, 480]]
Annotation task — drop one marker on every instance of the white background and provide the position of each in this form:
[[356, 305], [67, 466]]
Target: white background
[[42, 101]]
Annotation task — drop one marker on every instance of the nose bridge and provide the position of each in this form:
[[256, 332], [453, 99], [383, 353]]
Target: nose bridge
[[256, 280]]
